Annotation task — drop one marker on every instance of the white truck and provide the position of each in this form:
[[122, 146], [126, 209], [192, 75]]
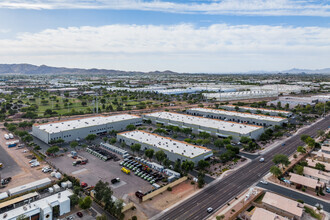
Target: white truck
[[6, 136], [11, 136]]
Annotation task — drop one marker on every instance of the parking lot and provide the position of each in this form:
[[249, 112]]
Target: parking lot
[[97, 169], [16, 164]]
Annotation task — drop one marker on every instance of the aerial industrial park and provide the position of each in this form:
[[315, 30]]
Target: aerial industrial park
[[86, 149], [164, 110]]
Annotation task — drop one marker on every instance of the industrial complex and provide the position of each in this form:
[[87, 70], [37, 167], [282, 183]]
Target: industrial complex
[[174, 149], [256, 110], [262, 120], [199, 124], [79, 128]]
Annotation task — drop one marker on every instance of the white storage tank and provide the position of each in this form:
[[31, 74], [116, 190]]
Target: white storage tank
[[50, 189], [69, 184], [3, 195], [64, 185], [58, 175], [56, 188]]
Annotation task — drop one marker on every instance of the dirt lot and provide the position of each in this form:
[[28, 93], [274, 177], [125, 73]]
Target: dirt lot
[[97, 169], [161, 202], [16, 165]]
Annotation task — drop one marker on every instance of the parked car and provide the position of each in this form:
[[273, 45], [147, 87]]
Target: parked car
[[83, 184], [33, 161], [46, 169], [115, 180], [80, 214], [264, 182], [35, 164]]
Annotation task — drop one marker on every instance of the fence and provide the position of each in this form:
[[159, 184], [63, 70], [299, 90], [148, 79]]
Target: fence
[[162, 189]]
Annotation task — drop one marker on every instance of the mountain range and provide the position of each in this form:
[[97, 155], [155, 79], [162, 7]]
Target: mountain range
[[30, 69]]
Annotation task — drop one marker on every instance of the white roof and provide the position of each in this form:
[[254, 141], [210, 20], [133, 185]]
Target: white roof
[[207, 122], [83, 122], [256, 109], [37, 205], [31, 186], [167, 144], [239, 114]]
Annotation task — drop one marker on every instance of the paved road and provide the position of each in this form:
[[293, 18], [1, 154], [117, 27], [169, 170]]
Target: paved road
[[218, 194], [295, 195]]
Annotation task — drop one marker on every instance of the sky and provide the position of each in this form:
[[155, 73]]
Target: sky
[[196, 36]]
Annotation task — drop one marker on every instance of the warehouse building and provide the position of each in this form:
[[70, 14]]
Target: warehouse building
[[79, 128], [43, 208], [199, 124], [174, 149], [240, 117], [256, 110]]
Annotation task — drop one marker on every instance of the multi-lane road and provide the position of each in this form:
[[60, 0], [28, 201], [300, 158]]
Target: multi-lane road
[[218, 194]]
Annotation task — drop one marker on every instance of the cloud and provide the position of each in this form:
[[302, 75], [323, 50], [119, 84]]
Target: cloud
[[183, 46], [237, 7]]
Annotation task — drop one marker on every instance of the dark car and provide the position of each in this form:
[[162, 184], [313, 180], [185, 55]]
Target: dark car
[[115, 180], [80, 214]]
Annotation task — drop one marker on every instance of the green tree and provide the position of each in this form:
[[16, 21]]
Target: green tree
[[200, 179], [301, 149], [187, 166], [90, 137], [245, 140], [218, 143], [53, 150], [149, 153], [136, 147], [281, 159], [160, 156], [202, 164], [85, 203], [320, 166], [74, 144], [275, 171], [304, 137], [299, 169], [74, 200], [130, 127], [102, 217]]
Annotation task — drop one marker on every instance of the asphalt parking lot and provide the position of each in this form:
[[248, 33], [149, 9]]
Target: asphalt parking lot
[[97, 169], [10, 167]]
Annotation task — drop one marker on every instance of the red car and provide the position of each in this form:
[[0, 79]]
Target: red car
[[83, 184], [80, 214]]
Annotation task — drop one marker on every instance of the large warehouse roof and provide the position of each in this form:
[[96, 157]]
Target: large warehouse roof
[[260, 109], [168, 144], [83, 122], [206, 122], [239, 114]]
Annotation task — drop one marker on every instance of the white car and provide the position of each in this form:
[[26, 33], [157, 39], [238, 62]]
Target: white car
[[264, 182], [209, 209], [25, 151], [35, 164], [46, 169], [33, 161], [262, 159]]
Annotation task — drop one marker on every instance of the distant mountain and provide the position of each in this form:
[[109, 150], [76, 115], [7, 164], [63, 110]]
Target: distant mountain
[[307, 71], [43, 69]]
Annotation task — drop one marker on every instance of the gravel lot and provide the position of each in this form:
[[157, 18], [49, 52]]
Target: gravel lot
[[97, 169]]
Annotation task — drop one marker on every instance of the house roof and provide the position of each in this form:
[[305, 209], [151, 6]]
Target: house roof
[[283, 203], [262, 214], [305, 181]]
